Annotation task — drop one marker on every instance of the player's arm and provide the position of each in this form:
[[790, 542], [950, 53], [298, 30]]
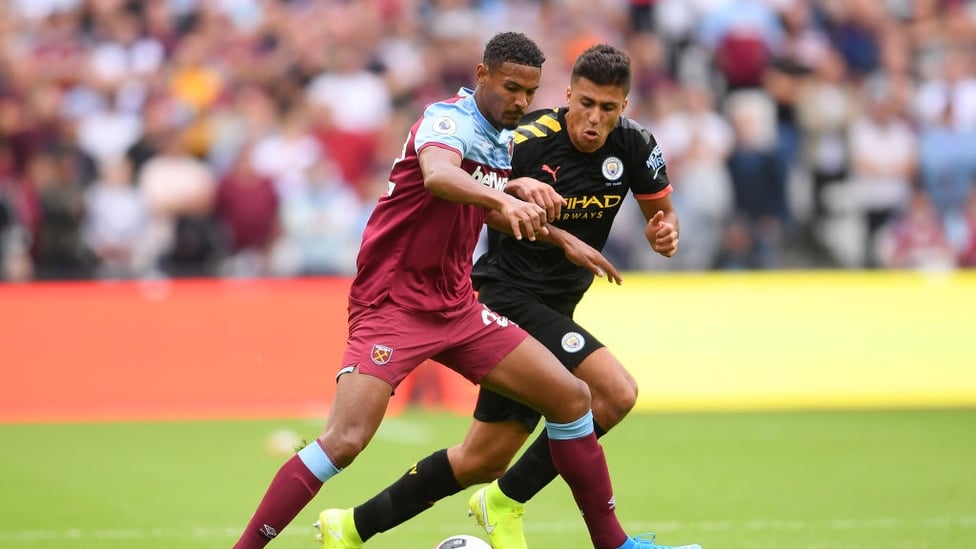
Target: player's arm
[[662, 224], [537, 192], [443, 177], [578, 252]]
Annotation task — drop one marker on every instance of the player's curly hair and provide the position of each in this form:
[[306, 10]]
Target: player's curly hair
[[604, 65], [512, 47]]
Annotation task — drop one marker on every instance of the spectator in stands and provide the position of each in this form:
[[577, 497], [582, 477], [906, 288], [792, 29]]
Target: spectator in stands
[[699, 142], [953, 86], [247, 207], [758, 175], [357, 104], [180, 192], [853, 27], [117, 221], [916, 238], [883, 151], [15, 262], [947, 162], [789, 67], [967, 247], [742, 35], [59, 251], [826, 105], [322, 223], [287, 154]]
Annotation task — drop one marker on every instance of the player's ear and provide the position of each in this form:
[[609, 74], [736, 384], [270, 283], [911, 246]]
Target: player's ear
[[623, 106], [481, 74], [569, 92]]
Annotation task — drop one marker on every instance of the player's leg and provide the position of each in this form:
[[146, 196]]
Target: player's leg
[[483, 455], [613, 391], [485, 339], [500, 505], [576, 454], [357, 411], [371, 370], [500, 516]]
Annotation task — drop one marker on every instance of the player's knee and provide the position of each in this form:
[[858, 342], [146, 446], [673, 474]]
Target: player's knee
[[610, 409], [481, 471], [343, 446], [475, 467], [578, 401]]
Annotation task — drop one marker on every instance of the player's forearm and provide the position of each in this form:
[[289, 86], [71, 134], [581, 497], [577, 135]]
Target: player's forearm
[[553, 236], [456, 185]]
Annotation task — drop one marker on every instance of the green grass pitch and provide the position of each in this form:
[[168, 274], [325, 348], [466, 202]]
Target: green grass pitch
[[787, 480]]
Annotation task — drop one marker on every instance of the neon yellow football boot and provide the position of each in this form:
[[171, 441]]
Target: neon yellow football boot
[[500, 516], [336, 529]]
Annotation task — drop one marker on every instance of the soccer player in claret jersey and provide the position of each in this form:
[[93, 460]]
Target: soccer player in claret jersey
[[412, 299], [594, 157]]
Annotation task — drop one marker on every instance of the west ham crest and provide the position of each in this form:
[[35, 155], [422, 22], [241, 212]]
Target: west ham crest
[[381, 354]]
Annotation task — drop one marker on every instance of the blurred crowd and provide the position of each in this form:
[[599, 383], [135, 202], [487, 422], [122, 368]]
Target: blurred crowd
[[171, 138]]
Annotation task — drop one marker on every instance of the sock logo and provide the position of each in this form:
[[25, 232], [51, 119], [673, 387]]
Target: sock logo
[[612, 503], [268, 532]]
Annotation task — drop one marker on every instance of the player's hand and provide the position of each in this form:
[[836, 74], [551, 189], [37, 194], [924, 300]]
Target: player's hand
[[662, 235], [525, 218], [582, 254], [537, 192]]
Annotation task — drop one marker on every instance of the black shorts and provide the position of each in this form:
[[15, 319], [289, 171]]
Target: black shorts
[[550, 321]]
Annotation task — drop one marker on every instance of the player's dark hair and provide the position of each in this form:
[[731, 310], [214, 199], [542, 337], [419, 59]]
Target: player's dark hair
[[604, 65], [512, 47]]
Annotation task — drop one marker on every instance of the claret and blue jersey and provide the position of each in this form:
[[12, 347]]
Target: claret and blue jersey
[[426, 266]]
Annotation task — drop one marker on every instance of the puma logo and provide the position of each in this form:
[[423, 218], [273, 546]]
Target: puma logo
[[550, 171]]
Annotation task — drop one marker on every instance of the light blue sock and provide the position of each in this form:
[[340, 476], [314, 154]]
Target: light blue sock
[[572, 430], [315, 458], [629, 544]]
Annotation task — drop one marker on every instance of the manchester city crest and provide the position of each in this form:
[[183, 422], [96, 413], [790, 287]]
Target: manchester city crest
[[573, 342], [613, 168]]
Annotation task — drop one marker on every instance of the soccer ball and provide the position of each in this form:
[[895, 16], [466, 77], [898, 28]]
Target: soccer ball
[[463, 541]]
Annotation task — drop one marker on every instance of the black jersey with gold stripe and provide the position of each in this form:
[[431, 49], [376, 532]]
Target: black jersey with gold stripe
[[594, 185]]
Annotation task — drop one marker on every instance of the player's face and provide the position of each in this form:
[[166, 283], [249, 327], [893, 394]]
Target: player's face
[[593, 113], [506, 92]]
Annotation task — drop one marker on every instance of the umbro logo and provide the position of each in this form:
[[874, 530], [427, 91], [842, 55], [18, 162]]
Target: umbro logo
[[268, 532]]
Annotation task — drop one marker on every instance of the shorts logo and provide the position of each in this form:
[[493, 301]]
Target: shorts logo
[[613, 168], [573, 342], [381, 354], [488, 317]]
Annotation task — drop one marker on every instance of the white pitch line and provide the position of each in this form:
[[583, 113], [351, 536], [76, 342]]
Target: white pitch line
[[752, 525]]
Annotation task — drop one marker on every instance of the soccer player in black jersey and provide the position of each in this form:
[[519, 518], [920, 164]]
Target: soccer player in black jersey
[[594, 157]]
